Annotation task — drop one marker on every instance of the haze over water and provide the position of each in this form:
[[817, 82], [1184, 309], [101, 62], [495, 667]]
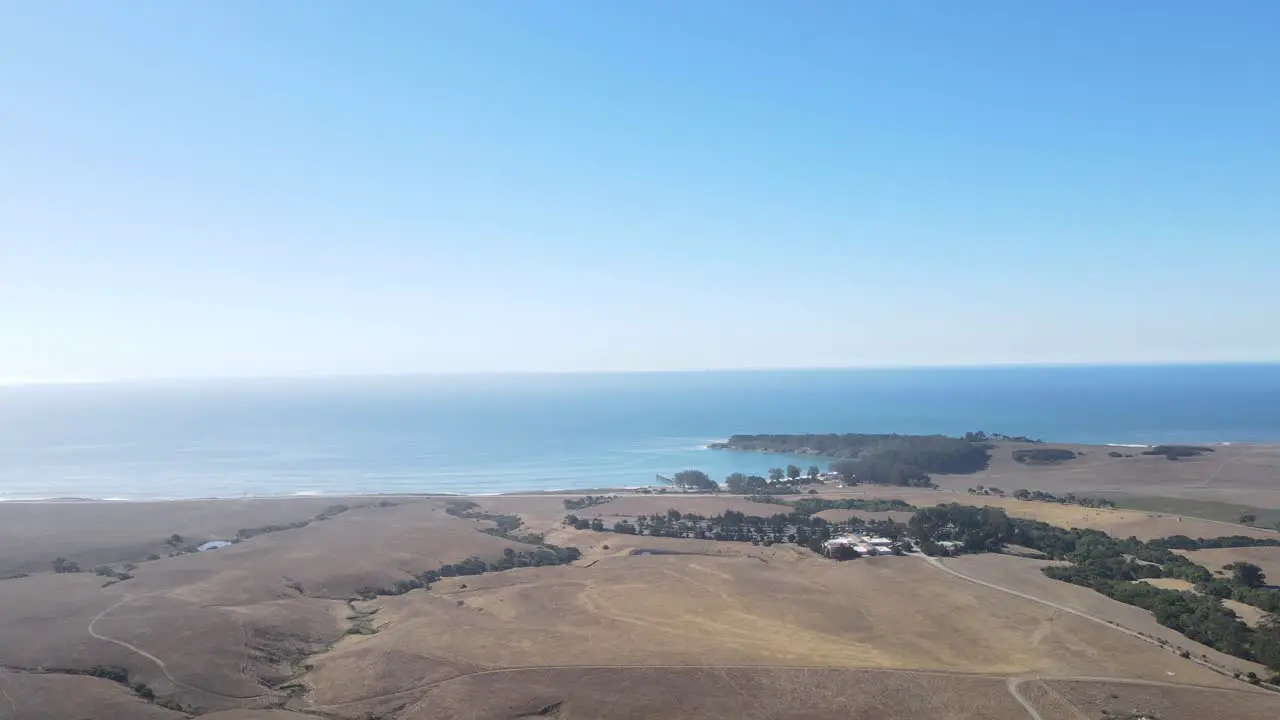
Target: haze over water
[[505, 433]]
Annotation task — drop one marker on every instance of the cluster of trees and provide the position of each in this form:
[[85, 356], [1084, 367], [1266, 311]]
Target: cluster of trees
[[981, 437], [797, 527], [325, 514], [1110, 566], [511, 559], [117, 575], [587, 501], [1043, 456], [880, 459], [808, 506], [780, 481], [1174, 452], [504, 525], [694, 480], [1068, 499], [1199, 615], [986, 490], [63, 565]]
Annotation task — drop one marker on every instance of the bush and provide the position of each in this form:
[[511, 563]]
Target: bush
[[113, 673], [1043, 456]]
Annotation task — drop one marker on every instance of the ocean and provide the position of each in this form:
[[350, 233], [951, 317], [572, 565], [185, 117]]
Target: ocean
[[510, 433]]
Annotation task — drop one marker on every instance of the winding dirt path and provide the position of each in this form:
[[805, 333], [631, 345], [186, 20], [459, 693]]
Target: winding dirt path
[[159, 663], [1013, 683], [4, 690]]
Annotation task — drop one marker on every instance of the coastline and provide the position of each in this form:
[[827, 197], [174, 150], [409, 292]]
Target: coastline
[[712, 447]]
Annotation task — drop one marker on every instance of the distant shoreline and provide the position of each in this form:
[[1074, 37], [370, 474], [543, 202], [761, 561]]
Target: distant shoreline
[[632, 489]]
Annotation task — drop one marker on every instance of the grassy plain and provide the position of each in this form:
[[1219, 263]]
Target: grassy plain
[[639, 627], [50, 696], [1232, 474]]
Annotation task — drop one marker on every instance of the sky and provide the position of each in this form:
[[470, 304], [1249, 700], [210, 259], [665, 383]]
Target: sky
[[240, 188]]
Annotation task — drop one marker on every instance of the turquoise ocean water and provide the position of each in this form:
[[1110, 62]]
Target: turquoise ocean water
[[508, 433]]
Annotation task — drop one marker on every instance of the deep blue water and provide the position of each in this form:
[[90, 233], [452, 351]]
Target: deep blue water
[[508, 433]]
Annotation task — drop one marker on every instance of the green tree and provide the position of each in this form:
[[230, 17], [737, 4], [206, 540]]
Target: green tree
[[694, 480], [736, 483], [63, 565], [174, 540], [776, 474], [848, 469], [1248, 518], [844, 552], [793, 472], [1246, 574], [1266, 642], [813, 472]]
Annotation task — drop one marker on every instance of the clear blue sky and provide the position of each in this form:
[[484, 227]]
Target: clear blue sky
[[278, 188]]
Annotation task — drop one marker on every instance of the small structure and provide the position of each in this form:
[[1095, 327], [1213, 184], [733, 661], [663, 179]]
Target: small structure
[[213, 545]]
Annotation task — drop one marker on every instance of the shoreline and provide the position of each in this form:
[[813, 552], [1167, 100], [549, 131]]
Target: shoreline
[[629, 489], [336, 496]]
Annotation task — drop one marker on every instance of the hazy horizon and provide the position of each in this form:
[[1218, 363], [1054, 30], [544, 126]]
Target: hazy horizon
[[240, 189], [320, 377]]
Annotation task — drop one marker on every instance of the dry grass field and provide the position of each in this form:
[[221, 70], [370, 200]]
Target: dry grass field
[[1023, 575], [1231, 474], [32, 696], [777, 610], [712, 694], [708, 505], [216, 630], [639, 627], [1267, 558], [1170, 702], [93, 533], [1117, 522]]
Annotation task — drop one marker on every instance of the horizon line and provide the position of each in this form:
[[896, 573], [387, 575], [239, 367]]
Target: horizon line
[[26, 382]]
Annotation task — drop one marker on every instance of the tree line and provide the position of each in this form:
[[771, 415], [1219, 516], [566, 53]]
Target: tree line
[[903, 460], [797, 527], [1068, 499], [1111, 566], [587, 501]]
